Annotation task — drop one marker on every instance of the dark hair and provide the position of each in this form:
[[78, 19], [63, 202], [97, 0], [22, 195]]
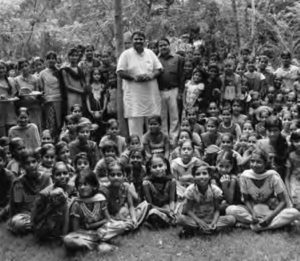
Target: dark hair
[[89, 46], [51, 54], [213, 66], [56, 164], [286, 53], [264, 156], [134, 150], [29, 153], [109, 144], [22, 109], [14, 144], [229, 156], [82, 125], [165, 40], [190, 141], [157, 118], [3, 154], [110, 122], [229, 135], [81, 155], [4, 141], [295, 137], [89, 177], [149, 162], [138, 33], [115, 163], [21, 63], [213, 120], [131, 137], [59, 146], [72, 51], [187, 131], [43, 150], [194, 168]]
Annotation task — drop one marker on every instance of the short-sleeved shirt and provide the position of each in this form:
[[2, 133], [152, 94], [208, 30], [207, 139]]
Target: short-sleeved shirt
[[203, 205], [141, 99], [156, 148], [272, 186]]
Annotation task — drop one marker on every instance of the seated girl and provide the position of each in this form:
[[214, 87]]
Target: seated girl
[[24, 192], [132, 142], [201, 209], [63, 154], [83, 143], [181, 167], [89, 218], [47, 154], [110, 153], [211, 136], [160, 191], [112, 134], [154, 140], [50, 214], [267, 205], [183, 135]]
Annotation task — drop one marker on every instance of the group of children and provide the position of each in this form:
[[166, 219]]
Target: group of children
[[234, 164]]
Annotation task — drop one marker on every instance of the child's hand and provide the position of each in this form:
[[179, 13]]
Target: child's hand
[[255, 218], [265, 222], [213, 226], [203, 225], [225, 179]]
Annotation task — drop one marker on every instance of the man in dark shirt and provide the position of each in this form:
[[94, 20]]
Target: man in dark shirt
[[171, 86]]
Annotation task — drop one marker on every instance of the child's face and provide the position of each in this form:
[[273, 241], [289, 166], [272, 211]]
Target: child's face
[[202, 177], [226, 143], [247, 128], [197, 77], [251, 67], [31, 166], [228, 68], [286, 122], [109, 152], [136, 158], [226, 116], [296, 144], [77, 112], [252, 141], [2, 163], [264, 116], [224, 167], [257, 164], [240, 70], [271, 92], [64, 154], [277, 82], [49, 158], [8, 153], [74, 58], [23, 119], [236, 108], [85, 189], [51, 61], [185, 125], [158, 167], [84, 134], [294, 112], [213, 73], [263, 63], [244, 139], [183, 137], [71, 126], [20, 148], [82, 164], [186, 151], [89, 53], [293, 127], [96, 76], [116, 176], [211, 128], [154, 126], [46, 138], [113, 130], [192, 117], [273, 134], [291, 98], [213, 110], [61, 175], [135, 143]]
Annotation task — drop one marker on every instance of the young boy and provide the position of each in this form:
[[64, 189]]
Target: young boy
[[6, 180]]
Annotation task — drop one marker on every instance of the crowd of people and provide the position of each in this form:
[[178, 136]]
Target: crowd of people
[[213, 144]]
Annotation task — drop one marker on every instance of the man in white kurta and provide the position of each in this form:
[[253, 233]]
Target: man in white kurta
[[139, 67]]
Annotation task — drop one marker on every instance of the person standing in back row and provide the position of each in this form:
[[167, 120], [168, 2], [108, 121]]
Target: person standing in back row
[[171, 86], [139, 67]]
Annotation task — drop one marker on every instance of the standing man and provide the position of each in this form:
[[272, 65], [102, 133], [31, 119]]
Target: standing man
[[171, 86], [139, 67]]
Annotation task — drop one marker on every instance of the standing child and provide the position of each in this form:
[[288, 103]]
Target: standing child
[[25, 130], [155, 141], [160, 191], [24, 192], [201, 210], [112, 133]]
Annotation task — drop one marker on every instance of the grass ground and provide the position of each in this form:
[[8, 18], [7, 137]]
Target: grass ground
[[165, 246]]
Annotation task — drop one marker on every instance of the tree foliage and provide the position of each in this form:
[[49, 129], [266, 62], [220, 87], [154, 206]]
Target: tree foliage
[[31, 27]]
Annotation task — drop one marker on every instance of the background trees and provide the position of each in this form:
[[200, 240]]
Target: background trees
[[30, 27]]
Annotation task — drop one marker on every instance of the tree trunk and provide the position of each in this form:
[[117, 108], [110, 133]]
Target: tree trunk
[[119, 49], [236, 23]]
